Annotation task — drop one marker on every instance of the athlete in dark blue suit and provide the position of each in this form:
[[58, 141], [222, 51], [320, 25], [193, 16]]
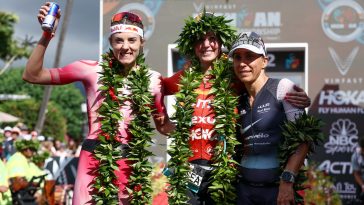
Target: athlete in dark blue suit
[[263, 111]]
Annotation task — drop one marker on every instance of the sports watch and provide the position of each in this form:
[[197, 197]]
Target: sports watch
[[288, 176]]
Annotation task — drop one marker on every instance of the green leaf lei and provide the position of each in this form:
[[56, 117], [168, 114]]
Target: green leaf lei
[[114, 77], [224, 175], [305, 129], [195, 28], [224, 104], [179, 148]]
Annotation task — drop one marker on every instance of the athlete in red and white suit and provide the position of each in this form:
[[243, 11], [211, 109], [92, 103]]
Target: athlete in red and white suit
[[126, 41]]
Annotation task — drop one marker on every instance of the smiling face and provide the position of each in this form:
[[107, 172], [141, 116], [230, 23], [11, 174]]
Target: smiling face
[[248, 66], [126, 47], [207, 49]]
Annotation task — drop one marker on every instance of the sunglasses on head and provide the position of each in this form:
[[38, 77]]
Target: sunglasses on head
[[126, 15], [252, 39]]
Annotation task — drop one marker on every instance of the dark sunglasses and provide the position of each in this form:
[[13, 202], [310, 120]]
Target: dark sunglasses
[[126, 15]]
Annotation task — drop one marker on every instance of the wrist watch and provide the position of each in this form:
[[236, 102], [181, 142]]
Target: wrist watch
[[288, 176]]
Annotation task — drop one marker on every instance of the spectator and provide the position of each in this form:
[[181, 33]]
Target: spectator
[[5, 195], [7, 135], [24, 130], [56, 146], [9, 148], [7, 131], [357, 163], [34, 135], [62, 151], [71, 147], [21, 169], [47, 146]]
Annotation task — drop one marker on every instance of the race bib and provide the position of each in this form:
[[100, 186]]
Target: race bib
[[195, 177]]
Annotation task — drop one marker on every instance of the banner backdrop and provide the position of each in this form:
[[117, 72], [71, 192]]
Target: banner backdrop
[[333, 30]]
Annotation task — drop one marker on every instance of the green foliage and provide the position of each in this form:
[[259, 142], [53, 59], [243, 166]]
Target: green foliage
[[27, 110], [224, 103], [7, 22], [40, 157], [179, 148], [305, 129], [69, 98], [141, 130], [224, 175], [23, 144], [195, 28], [8, 46], [113, 78], [66, 97]]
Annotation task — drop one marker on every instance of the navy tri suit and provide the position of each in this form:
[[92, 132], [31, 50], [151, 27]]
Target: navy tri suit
[[260, 133]]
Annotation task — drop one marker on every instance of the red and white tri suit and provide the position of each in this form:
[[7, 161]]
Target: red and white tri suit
[[86, 71]]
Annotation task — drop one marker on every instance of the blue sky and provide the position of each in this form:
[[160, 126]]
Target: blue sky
[[82, 37]]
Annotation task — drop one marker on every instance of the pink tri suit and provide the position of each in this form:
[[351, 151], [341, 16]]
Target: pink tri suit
[[86, 71]]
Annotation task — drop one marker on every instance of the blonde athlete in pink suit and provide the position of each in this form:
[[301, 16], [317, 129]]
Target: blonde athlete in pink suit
[[126, 40]]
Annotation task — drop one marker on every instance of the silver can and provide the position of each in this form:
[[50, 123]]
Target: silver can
[[50, 19]]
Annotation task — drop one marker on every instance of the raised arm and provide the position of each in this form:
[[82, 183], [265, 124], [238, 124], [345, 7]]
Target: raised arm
[[34, 71]]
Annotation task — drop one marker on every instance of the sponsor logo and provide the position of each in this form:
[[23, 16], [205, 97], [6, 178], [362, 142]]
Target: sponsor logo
[[263, 108], [353, 81], [341, 97], [343, 21], [343, 137], [343, 66], [203, 103], [336, 167], [345, 188], [204, 120], [204, 134], [258, 136], [268, 24], [292, 62], [243, 112], [219, 10], [249, 126]]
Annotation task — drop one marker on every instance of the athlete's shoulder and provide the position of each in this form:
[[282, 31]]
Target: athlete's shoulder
[[89, 62], [85, 65], [286, 82], [154, 73], [284, 86]]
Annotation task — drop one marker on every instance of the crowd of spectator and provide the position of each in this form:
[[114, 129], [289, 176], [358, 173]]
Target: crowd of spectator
[[23, 154]]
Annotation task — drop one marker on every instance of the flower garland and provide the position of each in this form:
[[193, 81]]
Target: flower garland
[[320, 187], [305, 129], [114, 77], [224, 104]]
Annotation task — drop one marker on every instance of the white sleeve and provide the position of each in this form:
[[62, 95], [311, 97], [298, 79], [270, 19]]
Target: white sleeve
[[284, 86]]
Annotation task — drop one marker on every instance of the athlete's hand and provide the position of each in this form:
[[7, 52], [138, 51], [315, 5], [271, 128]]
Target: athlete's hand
[[285, 194], [43, 11], [298, 98]]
